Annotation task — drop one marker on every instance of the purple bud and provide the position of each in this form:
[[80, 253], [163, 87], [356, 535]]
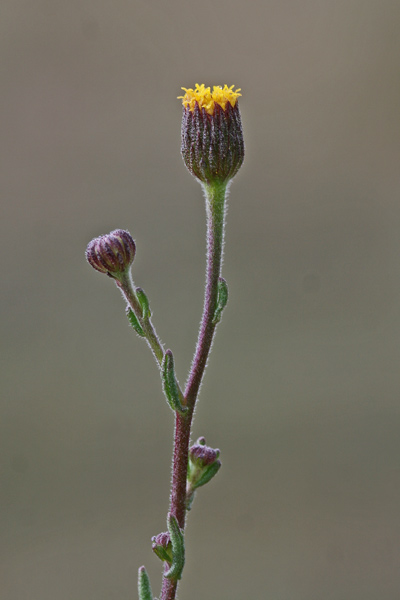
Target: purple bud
[[113, 253], [202, 455], [162, 546], [162, 539], [203, 466]]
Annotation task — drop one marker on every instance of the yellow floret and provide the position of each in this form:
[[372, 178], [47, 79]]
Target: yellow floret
[[207, 99]]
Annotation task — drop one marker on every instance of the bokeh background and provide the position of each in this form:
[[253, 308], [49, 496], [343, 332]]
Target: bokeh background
[[302, 390]]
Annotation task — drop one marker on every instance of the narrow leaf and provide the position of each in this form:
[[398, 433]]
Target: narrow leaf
[[222, 300], [208, 474], [144, 303], [134, 322], [144, 585], [161, 553], [170, 384], [189, 500], [178, 548]]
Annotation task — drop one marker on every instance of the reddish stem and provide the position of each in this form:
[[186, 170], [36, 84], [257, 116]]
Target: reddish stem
[[215, 207]]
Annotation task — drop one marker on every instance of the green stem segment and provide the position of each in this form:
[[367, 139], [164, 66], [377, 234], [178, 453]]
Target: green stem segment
[[125, 283], [215, 207]]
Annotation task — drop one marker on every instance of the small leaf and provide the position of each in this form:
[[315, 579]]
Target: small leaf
[[222, 300], [189, 500], [144, 585], [170, 384], [208, 473], [134, 322], [144, 303], [178, 548], [161, 553]]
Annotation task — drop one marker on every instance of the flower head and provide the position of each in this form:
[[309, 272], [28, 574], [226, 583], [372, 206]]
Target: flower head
[[212, 138], [112, 254], [207, 99]]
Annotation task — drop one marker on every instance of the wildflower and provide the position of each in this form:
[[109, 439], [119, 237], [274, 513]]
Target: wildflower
[[212, 138]]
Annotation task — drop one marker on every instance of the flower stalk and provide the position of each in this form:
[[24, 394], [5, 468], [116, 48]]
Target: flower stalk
[[215, 209], [215, 195], [127, 288], [213, 151]]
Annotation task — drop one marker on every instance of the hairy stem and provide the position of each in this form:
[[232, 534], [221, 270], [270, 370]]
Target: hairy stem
[[215, 207], [127, 288]]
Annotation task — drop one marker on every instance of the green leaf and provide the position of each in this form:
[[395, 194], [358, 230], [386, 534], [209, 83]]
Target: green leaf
[[170, 384], [144, 585], [162, 553], [222, 300], [208, 473], [134, 322], [144, 303], [178, 548], [189, 500]]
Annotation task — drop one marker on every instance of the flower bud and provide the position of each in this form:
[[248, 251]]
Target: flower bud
[[112, 254], [203, 466], [201, 455], [162, 546], [212, 137]]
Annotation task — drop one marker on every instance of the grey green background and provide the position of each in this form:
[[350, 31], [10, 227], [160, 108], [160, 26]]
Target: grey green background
[[302, 390]]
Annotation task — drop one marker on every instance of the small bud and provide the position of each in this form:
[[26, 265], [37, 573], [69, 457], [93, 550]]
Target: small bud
[[212, 137], [201, 455], [162, 546], [169, 546], [112, 254], [203, 465]]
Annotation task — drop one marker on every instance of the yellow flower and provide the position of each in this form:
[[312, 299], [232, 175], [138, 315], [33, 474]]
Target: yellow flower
[[207, 99], [212, 138]]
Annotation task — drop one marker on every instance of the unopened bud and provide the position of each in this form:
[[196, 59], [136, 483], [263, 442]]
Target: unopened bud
[[162, 546], [203, 466], [212, 137], [201, 455], [112, 254]]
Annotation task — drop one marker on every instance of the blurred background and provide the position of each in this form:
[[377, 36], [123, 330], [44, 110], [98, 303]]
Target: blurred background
[[302, 390]]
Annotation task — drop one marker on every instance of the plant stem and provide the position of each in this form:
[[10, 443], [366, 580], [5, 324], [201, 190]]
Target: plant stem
[[127, 287], [215, 207]]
